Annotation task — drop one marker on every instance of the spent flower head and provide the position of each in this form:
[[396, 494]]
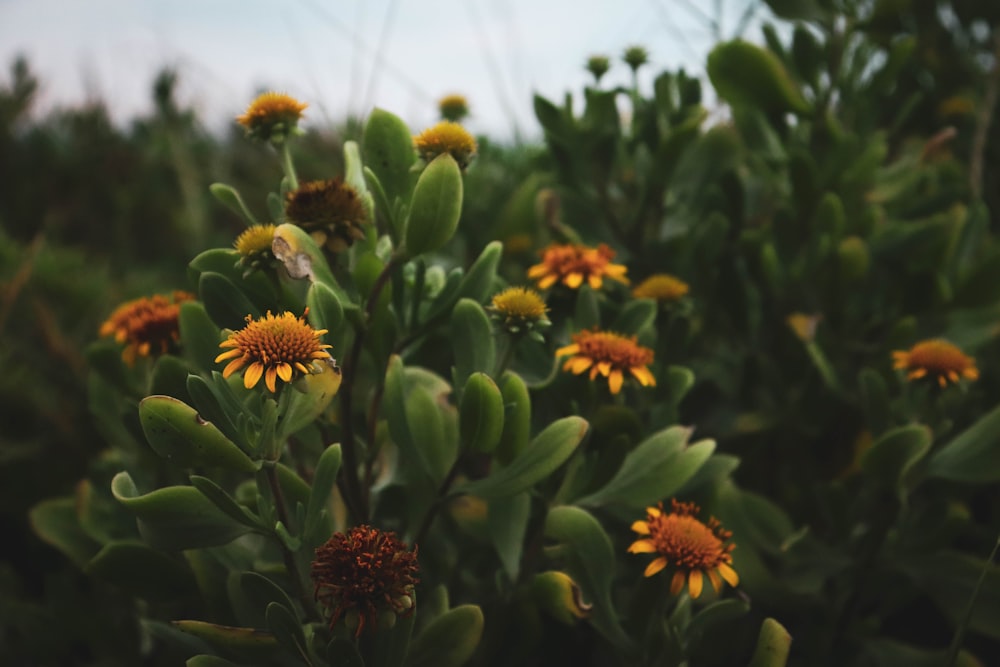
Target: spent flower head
[[519, 310], [453, 107], [691, 548], [598, 66], [609, 354], [363, 573], [148, 326], [273, 347], [572, 264], [936, 359], [661, 287], [330, 210], [635, 57], [446, 137], [272, 117]]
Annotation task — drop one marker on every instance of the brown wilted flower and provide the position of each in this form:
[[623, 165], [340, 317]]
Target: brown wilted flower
[[693, 549], [364, 572], [148, 326], [330, 210]]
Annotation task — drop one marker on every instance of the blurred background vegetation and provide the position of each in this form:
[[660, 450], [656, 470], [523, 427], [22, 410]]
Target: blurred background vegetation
[[92, 214]]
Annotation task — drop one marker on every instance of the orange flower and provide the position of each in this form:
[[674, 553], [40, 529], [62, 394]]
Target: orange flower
[[571, 264], [694, 549], [661, 287], [935, 358], [611, 355], [148, 326], [272, 116], [363, 573], [273, 347]]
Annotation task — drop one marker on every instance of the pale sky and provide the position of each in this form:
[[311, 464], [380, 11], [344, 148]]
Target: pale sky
[[346, 56]]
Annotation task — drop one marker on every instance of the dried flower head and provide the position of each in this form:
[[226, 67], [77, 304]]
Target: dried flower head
[[362, 573], [519, 309], [635, 57], [272, 117], [446, 137], [610, 354], [937, 359], [598, 66], [273, 347], [331, 211], [254, 246], [571, 264], [453, 107], [661, 287], [148, 326], [693, 549]]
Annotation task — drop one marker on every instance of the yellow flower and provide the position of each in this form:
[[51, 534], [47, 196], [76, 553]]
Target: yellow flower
[[272, 117], [519, 308], [331, 211], [611, 355], [661, 287], [935, 358], [571, 264], [453, 107], [446, 137], [362, 574], [254, 245], [803, 326], [693, 549], [273, 347], [148, 326]]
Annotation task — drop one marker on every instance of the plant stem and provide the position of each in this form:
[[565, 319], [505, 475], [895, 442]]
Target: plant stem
[[289, 166], [983, 121], [956, 642], [352, 484], [308, 607], [449, 479]]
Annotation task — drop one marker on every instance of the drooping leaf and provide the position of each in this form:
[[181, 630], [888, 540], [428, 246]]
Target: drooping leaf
[[179, 434], [449, 640], [973, 456]]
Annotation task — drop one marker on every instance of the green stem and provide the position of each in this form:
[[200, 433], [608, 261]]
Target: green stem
[[956, 642], [308, 607], [289, 166], [442, 493]]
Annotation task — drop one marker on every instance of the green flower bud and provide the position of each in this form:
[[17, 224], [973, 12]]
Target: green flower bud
[[559, 596]]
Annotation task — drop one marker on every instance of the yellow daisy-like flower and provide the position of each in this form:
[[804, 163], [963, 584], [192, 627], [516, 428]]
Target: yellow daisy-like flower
[[148, 326], [272, 117], [610, 354], [453, 107], [331, 211], [694, 550], [572, 264], [935, 358], [254, 245], [446, 137], [273, 347], [661, 287], [519, 308]]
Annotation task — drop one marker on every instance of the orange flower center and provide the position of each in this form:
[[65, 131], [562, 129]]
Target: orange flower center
[[620, 351], [688, 543]]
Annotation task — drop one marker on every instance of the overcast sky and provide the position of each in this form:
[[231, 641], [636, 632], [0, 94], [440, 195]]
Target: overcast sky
[[346, 56]]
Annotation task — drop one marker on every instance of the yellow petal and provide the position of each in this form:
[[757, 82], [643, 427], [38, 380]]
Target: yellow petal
[[729, 574], [642, 547], [285, 371], [604, 367], [547, 281], [232, 367], [653, 512], [579, 364], [641, 527], [677, 582], [573, 280], [595, 281], [228, 355], [642, 374], [615, 381], [716, 580], [655, 566], [569, 349], [252, 376], [269, 377], [694, 583], [538, 270]]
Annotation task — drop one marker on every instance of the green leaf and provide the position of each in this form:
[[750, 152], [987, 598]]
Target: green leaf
[[226, 503], [516, 433], [224, 302], [169, 377], [477, 284], [638, 314], [200, 337], [797, 10], [449, 640], [176, 517], [303, 402], [392, 643], [56, 522], [973, 456], [507, 520], [481, 414], [949, 578], [318, 526], [326, 312], [773, 645], [587, 312], [179, 434], [874, 399], [206, 660], [891, 458], [436, 206], [343, 653], [142, 571], [548, 451], [654, 470], [744, 73], [286, 629], [387, 149], [472, 338], [428, 428], [590, 561], [231, 199], [247, 643]]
